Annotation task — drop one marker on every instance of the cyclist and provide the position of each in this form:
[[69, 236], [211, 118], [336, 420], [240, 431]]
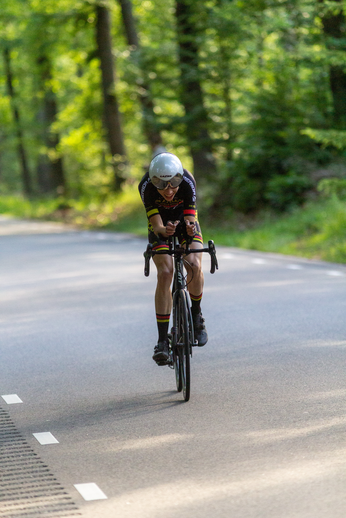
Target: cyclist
[[168, 193]]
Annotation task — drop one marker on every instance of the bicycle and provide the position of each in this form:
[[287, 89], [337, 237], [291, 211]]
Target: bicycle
[[181, 339]]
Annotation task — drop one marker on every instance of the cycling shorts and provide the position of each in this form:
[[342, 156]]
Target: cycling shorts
[[161, 243]]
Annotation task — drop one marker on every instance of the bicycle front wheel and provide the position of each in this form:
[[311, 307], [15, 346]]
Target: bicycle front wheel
[[182, 342], [177, 369]]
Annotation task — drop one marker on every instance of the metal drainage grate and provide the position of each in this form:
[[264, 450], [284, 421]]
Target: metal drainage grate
[[27, 488]]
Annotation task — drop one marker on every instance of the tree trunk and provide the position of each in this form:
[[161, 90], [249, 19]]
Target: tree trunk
[[50, 171], [16, 117], [334, 26], [151, 131], [196, 117], [111, 109], [225, 76]]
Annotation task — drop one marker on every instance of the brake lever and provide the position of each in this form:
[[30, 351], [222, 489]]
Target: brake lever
[[147, 255]]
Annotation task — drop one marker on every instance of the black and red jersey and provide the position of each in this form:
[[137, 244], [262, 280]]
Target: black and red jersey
[[183, 203]]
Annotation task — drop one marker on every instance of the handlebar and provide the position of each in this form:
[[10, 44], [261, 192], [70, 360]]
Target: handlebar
[[180, 251]]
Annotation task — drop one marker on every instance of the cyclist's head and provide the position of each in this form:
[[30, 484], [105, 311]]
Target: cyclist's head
[[166, 169]]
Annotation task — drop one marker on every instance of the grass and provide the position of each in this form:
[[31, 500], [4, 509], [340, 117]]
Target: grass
[[317, 230], [123, 212]]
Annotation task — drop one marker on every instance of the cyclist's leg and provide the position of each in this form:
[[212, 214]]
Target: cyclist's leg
[[195, 284], [163, 294], [163, 297], [193, 265]]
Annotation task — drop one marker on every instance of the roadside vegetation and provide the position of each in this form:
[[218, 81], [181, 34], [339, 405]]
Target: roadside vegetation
[[316, 230]]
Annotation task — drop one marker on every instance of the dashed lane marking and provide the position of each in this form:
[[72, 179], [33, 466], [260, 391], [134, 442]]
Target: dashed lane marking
[[259, 261], [45, 438], [11, 399], [90, 491], [335, 273]]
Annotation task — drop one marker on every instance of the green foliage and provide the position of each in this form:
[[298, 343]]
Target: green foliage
[[122, 212], [316, 231], [284, 191], [334, 138], [333, 188], [264, 69]]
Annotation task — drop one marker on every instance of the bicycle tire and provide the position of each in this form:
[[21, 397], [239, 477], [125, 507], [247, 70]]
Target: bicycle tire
[[191, 328], [177, 370], [181, 324]]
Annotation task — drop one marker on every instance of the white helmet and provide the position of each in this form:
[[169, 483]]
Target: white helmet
[[165, 169]]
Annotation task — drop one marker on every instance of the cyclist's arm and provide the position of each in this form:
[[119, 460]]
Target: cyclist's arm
[[159, 228], [190, 225], [189, 203]]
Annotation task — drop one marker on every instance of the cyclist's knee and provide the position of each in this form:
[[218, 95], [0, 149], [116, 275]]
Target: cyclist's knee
[[194, 264], [164, 274]]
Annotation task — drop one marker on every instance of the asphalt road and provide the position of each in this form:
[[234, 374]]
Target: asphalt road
[[263, 435]]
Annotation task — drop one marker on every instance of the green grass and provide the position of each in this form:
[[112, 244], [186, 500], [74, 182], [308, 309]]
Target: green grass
[[317, 230], [123, 212]]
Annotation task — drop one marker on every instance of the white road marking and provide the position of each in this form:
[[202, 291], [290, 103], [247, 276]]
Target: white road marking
[[294, 267], [11, 399], [45, 438], [335, 273], [259, 261], [90, 491], [227, 256]]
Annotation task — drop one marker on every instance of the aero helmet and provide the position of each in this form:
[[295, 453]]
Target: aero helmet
[[166, 168]]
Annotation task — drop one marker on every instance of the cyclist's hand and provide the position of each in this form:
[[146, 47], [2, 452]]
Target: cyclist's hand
[[190, 228], [170, 227]]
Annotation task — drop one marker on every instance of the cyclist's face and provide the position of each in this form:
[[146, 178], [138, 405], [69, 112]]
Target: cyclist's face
[[169, 192]]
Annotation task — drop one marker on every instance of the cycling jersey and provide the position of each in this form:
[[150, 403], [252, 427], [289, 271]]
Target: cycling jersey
[[183, 203]]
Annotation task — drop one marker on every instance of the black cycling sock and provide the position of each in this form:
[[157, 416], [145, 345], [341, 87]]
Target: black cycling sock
[[196, 304], [162, 326]]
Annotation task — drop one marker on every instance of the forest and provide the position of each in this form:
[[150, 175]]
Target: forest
[[250, 94]]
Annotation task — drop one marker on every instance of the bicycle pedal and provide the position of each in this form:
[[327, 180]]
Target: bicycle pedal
[[168, 362]]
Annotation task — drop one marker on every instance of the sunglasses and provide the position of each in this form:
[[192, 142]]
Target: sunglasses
[[164, 184]]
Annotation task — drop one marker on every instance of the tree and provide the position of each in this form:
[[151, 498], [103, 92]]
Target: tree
[[50, 172], [111, 109], [150, 126], [334, 28], [26, 179], [196, 116]]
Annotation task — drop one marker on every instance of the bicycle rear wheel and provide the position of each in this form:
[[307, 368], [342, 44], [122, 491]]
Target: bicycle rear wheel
[[182, 342]]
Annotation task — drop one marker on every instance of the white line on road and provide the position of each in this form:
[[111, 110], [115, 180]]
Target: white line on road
[[45, 438], [294, 267], [90, 491], [259, 261], [335, 273], [11, 399]]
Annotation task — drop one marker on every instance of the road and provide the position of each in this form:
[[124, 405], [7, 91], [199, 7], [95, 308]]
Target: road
[[263, 435]]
